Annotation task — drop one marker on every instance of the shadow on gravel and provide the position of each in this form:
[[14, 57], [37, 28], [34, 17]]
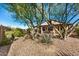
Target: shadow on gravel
[[4, 50]]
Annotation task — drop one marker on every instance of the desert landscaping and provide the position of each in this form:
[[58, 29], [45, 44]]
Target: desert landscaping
[[69, 47], [52, 29]]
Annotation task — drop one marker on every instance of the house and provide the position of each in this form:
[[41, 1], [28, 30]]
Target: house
[[45, 27]]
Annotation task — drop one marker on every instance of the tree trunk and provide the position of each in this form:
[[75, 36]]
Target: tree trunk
[[65, 32], [65, 35]]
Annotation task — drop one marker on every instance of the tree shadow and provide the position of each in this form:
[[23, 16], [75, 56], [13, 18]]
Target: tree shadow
[[74, 36]]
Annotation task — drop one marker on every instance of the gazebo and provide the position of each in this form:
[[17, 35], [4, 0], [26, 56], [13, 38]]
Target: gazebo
[[51, 27]]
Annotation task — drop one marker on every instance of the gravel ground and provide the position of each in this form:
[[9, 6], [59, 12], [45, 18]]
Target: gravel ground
[[4, 50], [69, 47], [30, 48]]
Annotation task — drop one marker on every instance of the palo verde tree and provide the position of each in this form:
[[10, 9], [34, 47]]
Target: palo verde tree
[[34, 14], [28, 14], [65, 14]]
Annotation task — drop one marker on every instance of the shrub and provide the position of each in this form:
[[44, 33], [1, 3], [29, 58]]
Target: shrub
[[18, 32], [5, 41], [77, 30], [46, 38], [8, 34]]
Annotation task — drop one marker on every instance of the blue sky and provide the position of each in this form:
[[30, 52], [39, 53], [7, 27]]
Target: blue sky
[[7, 20]]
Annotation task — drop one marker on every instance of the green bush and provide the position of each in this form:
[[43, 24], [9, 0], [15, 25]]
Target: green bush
[[8, 34], [77, 30], [46, 38], [5, 41], [18, 32]]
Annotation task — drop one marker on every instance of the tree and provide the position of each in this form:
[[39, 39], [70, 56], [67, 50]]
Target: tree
[[28, 14], [34, 14], [65, 13]]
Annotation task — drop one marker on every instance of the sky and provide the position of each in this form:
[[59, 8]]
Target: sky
[[7, 20]]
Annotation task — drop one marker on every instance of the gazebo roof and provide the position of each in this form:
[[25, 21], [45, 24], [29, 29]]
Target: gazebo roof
[[53, 22]]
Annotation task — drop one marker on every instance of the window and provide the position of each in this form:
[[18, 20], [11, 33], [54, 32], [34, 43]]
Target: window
[[43, 28], [50, 27]]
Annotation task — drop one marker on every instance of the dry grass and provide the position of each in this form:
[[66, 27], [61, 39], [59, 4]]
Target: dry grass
[[69, 47]]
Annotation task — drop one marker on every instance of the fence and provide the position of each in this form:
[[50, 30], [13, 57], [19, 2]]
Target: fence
[[2, 32]]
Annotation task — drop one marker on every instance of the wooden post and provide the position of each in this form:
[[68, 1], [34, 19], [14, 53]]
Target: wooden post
[[2, 33], [47, 28], [41, 30]]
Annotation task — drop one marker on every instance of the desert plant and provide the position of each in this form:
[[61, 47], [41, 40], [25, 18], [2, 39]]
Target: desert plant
[[46, 38], [8, 34], [5, 41], [77, 30], [18, 32]]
